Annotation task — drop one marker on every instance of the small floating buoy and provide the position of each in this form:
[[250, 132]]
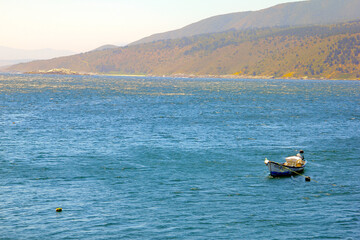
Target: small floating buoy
[[59, 209], [307, 179]]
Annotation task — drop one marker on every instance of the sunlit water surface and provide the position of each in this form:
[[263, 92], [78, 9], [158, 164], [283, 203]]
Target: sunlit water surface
[[159, 158]]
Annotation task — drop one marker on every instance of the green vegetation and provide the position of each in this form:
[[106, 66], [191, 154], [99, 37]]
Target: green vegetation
[[331, 51], [290, 14]]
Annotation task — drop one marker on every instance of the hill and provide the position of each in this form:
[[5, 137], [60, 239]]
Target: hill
[[329, 51], [287, 14], [104, 47]]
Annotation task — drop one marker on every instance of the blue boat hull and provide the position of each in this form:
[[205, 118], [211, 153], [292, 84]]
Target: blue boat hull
[[279, 170]]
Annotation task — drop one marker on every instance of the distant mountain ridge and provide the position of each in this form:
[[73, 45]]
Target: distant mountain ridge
[[105, 47], [7, 53], [12, 55], [328, 51], [309, 51], [287, 14]]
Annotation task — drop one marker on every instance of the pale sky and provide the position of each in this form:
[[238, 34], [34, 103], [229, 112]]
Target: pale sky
[[82, 25]]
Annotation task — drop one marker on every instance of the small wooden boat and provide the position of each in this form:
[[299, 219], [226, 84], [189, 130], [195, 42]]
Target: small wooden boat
[[293, 165]]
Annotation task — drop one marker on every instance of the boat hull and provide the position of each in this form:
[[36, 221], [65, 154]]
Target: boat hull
[[279, 170]]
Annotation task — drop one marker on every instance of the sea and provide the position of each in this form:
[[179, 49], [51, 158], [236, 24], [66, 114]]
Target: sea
[[177, 158]]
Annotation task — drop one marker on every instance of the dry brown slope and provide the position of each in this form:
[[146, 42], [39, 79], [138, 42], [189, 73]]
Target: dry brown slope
[[315, 52]]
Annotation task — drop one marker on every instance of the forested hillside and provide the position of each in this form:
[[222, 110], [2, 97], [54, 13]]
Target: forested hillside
[[330, 51], [290, 14]]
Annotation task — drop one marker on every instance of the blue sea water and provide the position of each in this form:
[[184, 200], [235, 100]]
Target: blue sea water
[[163, 158]]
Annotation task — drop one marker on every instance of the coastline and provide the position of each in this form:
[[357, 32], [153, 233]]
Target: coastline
[[63, 71], [58, 71], [228, 76]]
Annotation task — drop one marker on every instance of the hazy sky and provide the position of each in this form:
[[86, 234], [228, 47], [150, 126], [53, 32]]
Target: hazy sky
[[82, 25]]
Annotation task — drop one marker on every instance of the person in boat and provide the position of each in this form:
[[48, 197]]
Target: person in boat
[[301, 154]]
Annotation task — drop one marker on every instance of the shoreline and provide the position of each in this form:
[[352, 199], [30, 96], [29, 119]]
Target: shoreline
[[177, 75], [226, 76]]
